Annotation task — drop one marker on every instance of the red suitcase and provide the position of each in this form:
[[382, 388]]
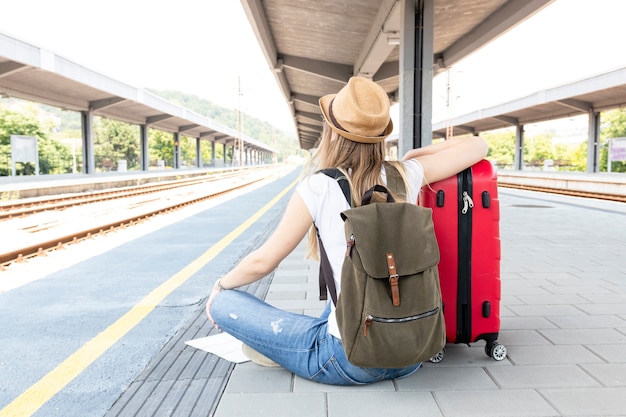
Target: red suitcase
[[466, 215]]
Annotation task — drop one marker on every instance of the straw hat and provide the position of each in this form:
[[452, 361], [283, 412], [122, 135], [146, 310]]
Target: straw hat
[[359, 111]]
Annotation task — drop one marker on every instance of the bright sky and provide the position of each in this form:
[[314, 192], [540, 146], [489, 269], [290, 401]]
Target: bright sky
[[202, 47]]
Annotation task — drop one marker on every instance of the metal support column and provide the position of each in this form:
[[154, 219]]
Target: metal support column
[[143, 147], [176, 161], [89, 164], [416, 74], [593, 142], [518, 157], [199, 161], [212, 153]]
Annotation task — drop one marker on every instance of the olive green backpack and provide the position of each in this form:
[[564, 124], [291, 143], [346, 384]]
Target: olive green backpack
[[389, 308]]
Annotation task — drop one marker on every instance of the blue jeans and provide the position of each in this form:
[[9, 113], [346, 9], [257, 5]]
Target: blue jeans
[[299, 343]]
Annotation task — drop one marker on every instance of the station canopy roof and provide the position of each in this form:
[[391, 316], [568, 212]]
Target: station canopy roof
[[314, 47], [32, 73]]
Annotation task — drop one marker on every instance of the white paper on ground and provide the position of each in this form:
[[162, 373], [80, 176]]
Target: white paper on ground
[[223, 345]]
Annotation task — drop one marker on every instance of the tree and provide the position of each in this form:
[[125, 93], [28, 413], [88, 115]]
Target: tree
[[53, 155], [538, 149], [161, 147], [614, 126], [501, 148], [115, 141]]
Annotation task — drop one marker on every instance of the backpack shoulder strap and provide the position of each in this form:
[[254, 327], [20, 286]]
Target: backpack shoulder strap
[[326, 280], [395, 182], [337, 175]]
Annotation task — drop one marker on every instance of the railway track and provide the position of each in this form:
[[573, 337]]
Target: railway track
[[137, 204], [19, 208], [561, 191], [144, 198]]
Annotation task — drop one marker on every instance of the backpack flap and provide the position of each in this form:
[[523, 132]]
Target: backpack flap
[[402, 229], [386, 320]]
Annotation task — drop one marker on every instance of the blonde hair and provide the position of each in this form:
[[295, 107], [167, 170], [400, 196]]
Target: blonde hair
[[361, 164]]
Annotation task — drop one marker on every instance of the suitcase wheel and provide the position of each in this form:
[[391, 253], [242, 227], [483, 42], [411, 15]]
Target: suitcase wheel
[[496, 351], [439, 356]]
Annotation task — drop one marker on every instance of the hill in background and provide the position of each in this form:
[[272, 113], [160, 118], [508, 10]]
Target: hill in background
[[286, 144]]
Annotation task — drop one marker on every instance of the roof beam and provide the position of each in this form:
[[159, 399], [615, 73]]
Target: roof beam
[[105, 102], [208, 134], [312, 118], [157, 118], [329, 70], [466, 128], [383, 36], [306, 99], [576, 104], [309, 127], [185, 128], [513, 121], [10, 67]]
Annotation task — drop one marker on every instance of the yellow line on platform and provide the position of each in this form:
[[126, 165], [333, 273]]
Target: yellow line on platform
[[38, 394]]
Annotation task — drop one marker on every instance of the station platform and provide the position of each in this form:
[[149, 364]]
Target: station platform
[[563, 323]]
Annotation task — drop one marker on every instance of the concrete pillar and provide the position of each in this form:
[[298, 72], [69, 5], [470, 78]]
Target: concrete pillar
[[89, 164], [593, 142]]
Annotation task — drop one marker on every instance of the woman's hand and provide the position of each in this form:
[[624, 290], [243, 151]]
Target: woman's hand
[[214, 292]]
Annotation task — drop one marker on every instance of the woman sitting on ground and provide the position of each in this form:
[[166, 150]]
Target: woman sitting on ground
[[357, 121]]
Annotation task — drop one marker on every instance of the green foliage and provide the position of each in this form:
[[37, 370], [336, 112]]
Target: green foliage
[[161, 147], [262, 131], [501, 148], [115, 141], [538, 149], [613, 126], [53, 155]]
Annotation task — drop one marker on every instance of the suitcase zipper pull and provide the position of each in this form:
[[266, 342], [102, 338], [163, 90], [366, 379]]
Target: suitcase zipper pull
[[468, 203]]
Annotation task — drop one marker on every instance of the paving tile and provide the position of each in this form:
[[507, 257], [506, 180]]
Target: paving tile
[[609, 353], [434, 378], [553, 299], [587, 322], [603, 308], [493, 403], [522, 338], [583, 336], [530, 323], [546, 310], [388, 404], [309, 404], [547, 376], [610, 375], [249, 377], [588, 401], [551, 355]]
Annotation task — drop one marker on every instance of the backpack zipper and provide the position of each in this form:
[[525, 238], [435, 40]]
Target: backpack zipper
[[369, 319], [349, 245]]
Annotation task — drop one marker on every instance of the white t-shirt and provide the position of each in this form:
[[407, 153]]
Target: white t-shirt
[[325, 201]]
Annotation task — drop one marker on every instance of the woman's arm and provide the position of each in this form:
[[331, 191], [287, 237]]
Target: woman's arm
[[444, 159], [292, 228]]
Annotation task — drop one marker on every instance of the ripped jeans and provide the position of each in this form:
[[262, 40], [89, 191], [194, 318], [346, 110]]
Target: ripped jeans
[[299, 343]]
